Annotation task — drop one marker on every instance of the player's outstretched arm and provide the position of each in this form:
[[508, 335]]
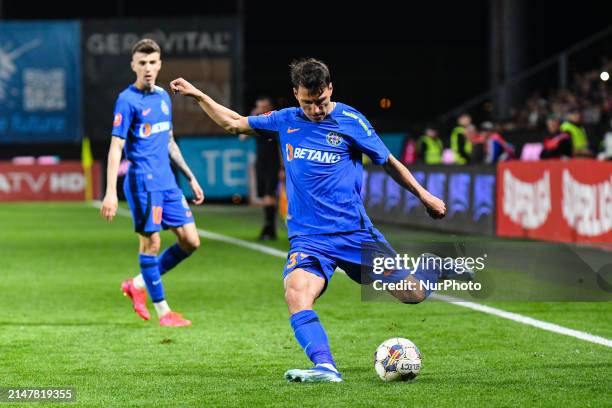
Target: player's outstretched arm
[[110, 202], [224, 117], [179, 161], [398, 172]]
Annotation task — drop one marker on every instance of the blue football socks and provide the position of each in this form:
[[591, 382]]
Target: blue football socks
[[312, 337], [171, 257], [149, 269]]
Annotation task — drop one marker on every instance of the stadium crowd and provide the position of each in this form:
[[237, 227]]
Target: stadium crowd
[[563, 118]]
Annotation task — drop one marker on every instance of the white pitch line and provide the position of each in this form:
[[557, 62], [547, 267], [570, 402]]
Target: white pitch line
[[217, 237], [245, 244], [529, 321], [540, 324]]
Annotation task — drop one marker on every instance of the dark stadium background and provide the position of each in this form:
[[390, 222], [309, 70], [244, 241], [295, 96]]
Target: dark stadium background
[[539, 334], [427, 57]]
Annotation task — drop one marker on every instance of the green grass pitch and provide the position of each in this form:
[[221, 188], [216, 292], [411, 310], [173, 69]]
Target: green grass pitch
[[64, 322]]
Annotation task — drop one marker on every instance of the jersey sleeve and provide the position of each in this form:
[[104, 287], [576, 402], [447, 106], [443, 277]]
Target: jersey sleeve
[[365, 138], [268, 122], [122, 118]]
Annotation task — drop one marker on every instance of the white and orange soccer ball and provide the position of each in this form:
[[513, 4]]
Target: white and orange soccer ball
[[397, 359]]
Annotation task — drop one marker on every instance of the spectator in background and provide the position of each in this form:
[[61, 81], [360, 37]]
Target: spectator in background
[[477, 142], [535, 111], [573, 126], [429, 147], [605, 150], [408, 155], [267, 167], [496, 147], [460, 144], [557, 144]]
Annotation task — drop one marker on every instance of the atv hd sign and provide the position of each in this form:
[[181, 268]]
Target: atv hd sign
[[58, 182], [40, 82]]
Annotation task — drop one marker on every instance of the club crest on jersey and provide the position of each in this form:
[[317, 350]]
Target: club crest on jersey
[[334, 139], [165, 108]]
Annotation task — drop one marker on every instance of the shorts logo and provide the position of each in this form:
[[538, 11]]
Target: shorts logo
[[118, 119], [289, 150], [334, 139], [184, 202], [165, 108], [157, 214]]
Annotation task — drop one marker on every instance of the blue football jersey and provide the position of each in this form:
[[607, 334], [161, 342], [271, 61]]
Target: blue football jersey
[[144, 120], [323, 167]]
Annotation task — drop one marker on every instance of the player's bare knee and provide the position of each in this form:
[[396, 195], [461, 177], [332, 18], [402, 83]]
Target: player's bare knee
[[190, 243], [150, 244], [195, 242], [153, 247], [292, 296], [298, 299]]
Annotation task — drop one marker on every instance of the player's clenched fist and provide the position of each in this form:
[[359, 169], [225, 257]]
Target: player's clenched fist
[[109, 208], [198, 193], [435, 207], [184, 88]]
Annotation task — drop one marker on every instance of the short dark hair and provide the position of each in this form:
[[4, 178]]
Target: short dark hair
[[311, 74], [146, 46]]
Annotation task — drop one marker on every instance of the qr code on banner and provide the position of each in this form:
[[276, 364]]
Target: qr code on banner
[[44, 89]]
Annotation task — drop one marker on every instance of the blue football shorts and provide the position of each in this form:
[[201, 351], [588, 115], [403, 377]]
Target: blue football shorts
[[353, 252], [156, 210]]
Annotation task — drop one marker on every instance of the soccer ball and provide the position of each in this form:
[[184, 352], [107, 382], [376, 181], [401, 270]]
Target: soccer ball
[[397, 359]]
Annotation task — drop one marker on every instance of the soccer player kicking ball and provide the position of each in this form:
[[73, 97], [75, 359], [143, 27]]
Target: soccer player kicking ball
[[143, 125], [322, 142]]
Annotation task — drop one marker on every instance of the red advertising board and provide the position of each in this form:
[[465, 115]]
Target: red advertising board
[[556, 200], [56, 182]]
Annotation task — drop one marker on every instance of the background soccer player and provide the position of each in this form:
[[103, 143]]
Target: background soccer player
[[267, 166], [143, 125], [322, 142]]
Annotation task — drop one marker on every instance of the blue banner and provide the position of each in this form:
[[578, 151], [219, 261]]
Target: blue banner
[[40, 82], [468, 191], [220, 165]]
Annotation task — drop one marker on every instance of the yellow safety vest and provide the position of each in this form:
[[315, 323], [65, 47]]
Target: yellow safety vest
[[467, 144], [433, 155]]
